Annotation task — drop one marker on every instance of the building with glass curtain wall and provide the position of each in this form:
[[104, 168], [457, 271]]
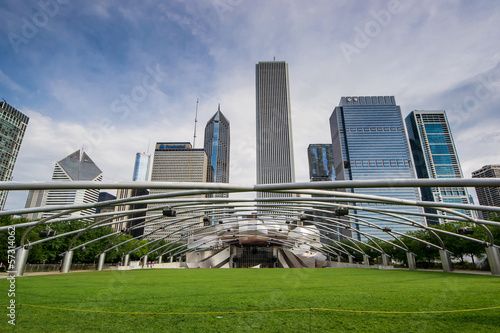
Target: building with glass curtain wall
[[275, 162], [217, 148], [320, 156], [141, 167], [369, 143], [12, 127], [435, 156], [488, 196]]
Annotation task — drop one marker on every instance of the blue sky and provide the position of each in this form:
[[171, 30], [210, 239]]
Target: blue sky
[[111, 76]]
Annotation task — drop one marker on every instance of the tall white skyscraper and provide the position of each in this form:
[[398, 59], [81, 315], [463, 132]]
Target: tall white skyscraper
[[275, 163], [176, 162], [74, 167]]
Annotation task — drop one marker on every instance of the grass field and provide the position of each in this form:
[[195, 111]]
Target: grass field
[[170, 300]]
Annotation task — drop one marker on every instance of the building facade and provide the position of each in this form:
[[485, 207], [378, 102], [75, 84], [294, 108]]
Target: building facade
[[369, 143], [435, 156], [141, 167], [74, 167], [321, 168], [176, 162], [36, 198], [275, 162], [12, 127], [320, 158], [488, 196], [132, 220], [217, 148]]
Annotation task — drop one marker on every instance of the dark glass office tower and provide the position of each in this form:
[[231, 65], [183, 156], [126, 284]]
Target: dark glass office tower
[[369, 143], [12, 127], [216, 147], [320, 156], [435, 156], [274, 126], [320, 162]]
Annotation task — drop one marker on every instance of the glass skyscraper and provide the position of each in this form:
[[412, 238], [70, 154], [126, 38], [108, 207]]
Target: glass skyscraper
[[275, 162], [12, 127], [216, 147], [320, 158], [435, 156], [141, 167], [369, 143]]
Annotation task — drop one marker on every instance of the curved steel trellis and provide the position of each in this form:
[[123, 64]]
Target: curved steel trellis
[[326, 198]]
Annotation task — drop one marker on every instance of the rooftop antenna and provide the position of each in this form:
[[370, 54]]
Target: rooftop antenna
[[149, 143], [274, 58], [195, 121]]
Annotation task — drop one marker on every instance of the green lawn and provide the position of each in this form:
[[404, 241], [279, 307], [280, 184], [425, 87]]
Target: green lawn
[[185, 291]]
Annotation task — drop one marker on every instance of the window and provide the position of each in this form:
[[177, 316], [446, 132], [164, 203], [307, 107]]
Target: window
[[439, 149]]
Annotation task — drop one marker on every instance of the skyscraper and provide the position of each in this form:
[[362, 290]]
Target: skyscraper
[[321, 168], [12, 127], [74, 167], [488, 196], [36, 198], [177, 162], [275, 162], [216, 147], [369, 142], [435, 156], [141, 167], [141, 174], [320, 162]]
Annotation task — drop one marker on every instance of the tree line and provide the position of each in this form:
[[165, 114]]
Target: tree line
[[427, 255], [49, 252]]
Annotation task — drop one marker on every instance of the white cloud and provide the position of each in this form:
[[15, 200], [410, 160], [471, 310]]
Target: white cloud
[[428, 57]]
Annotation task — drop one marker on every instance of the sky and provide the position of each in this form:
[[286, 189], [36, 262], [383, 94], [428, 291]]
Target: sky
[[114, 77]]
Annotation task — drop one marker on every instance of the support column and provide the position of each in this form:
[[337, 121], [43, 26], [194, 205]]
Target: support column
[[445, 260], [145, 261], [412, 264], [126, 260], [366, 259], [351, 259], [159, 259], [493, 254], [339, 258], [66, 265], [21, 258], [100, 264], [386, 259], [172, 259]]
